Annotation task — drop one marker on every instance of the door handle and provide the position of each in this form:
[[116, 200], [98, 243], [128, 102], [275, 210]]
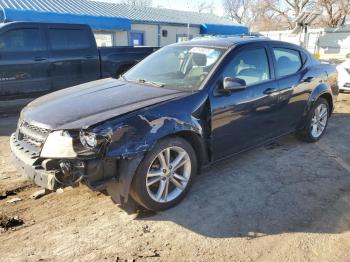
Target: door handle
[[38, 59], [89, 56], [307, 80], [270, 91]]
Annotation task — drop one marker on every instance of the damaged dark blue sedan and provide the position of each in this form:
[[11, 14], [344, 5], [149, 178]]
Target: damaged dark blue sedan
[[144, 136]]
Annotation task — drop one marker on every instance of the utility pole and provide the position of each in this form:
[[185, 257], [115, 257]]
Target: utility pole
[[303, 21]]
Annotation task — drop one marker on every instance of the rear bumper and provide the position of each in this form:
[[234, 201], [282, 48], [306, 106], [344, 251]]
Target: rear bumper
[[27, 167]]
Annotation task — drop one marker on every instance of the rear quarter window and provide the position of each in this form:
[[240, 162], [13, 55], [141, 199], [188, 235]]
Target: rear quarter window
[[288, 61], [69, 39]]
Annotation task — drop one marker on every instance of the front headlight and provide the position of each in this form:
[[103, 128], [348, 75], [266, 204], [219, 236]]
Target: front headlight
[[59, 144], [70, 144], [88, 139]]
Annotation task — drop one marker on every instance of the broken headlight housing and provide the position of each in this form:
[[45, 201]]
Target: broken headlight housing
[[88, 143], [58, 144], [88, 139], [71, 144]]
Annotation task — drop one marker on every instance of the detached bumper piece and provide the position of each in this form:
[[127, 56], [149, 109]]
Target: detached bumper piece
[[28, 166]]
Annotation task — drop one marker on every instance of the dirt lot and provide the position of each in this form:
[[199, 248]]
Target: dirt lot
[[286, 201]]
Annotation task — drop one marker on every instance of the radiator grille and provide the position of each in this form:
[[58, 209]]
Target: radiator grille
[[31, 138]]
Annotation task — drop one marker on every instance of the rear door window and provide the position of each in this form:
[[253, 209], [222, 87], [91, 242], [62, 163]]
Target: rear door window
[[288, 61], [22, 40], [69, 39]]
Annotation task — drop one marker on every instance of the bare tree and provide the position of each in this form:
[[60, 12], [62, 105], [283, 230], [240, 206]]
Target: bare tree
[[335, 12], [284, 12], [288, 10], [145, 3], [266, 19], [205, 7], [281, 14], [242, 11]]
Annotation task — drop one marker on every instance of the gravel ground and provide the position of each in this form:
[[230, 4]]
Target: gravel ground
[[288, 201]]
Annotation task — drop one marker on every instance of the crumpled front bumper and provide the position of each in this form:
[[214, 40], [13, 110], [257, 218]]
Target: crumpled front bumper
[[99, 174], [28, 167], [95, 173]]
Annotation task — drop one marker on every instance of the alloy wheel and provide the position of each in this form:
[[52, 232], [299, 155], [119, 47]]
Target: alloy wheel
[[168, 174], [319, 120]]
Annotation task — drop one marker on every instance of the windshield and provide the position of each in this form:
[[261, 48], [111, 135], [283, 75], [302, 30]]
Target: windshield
[[177, 67]]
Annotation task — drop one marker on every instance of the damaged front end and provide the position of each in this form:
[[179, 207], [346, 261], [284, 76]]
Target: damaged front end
[[104, 158], [104, 155], [56, 159]]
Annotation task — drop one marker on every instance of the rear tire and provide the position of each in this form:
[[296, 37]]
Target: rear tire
[[165, 174], [316, 122]]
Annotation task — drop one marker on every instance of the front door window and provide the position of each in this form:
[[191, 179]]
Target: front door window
[[251, 65]]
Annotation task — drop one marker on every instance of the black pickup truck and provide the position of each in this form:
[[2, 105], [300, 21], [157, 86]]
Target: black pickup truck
[[38, 58]]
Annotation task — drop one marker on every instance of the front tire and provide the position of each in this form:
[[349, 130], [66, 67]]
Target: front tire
[[316, 121], [165, 174]]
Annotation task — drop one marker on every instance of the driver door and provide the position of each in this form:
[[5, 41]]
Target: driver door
[[244, 118]]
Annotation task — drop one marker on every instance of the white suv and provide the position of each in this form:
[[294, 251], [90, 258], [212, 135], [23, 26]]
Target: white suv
[[344, 75]]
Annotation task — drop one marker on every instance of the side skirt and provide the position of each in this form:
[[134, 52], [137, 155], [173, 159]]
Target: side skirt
[[248, 149]]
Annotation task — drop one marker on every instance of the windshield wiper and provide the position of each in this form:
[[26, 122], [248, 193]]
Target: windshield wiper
[[143, 81], [153, 83]]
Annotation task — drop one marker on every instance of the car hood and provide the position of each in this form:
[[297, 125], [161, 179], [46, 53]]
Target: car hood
[[87, 104]]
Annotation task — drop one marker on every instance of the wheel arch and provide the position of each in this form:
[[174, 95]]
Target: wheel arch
[[324, 91], [198, 144], [329, 99], [130, 155]]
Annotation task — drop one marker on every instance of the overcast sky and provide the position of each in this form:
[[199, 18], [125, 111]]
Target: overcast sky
[[186, 5]]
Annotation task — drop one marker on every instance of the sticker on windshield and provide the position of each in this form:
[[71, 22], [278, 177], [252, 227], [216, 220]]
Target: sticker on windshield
[[201, 50]]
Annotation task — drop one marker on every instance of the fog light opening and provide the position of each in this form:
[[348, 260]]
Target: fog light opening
[[70, 173], [66, 168]]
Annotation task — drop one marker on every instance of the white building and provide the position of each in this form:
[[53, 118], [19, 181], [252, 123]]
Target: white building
[[120, 24], [324, 43]]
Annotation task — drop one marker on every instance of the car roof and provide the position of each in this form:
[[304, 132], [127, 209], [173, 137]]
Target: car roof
[[232, 41], [224, 42]]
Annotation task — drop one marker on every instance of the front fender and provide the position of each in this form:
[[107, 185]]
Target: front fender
[[134, 135], [140, 134], [131, 147], [139, 131]]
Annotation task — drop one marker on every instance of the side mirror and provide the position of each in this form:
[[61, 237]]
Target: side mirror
[[233, 84]]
